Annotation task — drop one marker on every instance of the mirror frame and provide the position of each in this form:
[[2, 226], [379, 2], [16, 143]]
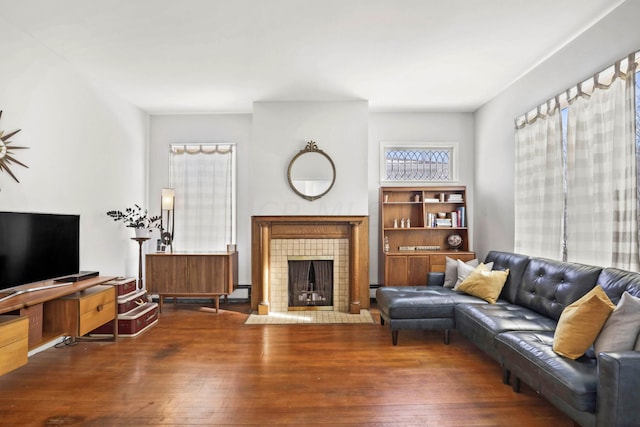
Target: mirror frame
[[311, 147]]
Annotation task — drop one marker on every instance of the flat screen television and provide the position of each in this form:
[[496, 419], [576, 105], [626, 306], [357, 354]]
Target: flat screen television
[[37, 246]]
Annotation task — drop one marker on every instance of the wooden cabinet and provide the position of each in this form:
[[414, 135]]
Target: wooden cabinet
[[80, 313], [192, 275], [406, 270], [416, 225], [13, 342]]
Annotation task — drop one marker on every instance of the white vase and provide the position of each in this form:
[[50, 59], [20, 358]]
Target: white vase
[[142, 232]]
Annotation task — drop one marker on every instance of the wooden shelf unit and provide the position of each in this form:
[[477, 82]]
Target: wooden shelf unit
[[416, 249]]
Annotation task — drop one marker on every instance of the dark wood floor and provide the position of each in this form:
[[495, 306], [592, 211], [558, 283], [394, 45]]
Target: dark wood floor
[[198, 368]]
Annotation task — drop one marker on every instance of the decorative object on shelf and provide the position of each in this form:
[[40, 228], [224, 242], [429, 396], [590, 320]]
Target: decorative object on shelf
[[311, 173], [6, 154], [136, 218], [454, 241], [167, 202]]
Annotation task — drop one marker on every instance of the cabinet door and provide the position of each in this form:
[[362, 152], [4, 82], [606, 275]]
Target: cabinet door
[[166, 273], [418, 267], [395, 272], [208, 274]]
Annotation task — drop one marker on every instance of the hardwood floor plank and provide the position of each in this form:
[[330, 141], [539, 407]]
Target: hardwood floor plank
[[202, 369]]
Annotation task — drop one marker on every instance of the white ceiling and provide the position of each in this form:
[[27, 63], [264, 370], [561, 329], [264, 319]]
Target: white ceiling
[[186, 56]]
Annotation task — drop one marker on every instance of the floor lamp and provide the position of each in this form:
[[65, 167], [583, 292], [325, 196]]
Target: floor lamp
[[167, 201]]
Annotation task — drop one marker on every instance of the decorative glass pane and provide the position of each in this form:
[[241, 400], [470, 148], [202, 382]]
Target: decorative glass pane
[[418, 164]]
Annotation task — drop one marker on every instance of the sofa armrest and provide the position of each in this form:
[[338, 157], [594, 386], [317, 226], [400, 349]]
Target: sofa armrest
[[435, 278], [618, 385]]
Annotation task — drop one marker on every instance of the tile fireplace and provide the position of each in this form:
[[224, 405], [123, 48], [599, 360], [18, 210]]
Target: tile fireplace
[[343, 240]]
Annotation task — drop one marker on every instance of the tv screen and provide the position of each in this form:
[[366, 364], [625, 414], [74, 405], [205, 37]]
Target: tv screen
[[37, 246]]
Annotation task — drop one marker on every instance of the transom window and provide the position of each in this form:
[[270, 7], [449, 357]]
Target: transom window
[[418, 162]]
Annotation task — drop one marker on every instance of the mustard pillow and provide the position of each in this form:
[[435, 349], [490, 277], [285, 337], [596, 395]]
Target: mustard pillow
[[484, 284], [581, 322]]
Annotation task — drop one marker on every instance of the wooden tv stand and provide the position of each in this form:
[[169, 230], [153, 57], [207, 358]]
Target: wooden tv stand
[[52, 310]]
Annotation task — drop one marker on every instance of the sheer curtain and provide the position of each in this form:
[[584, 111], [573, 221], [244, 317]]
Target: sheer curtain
[[539, 188], [602, 225], [203, 179]]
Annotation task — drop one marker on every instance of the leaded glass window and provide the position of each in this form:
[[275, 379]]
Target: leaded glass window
[[422, 163]]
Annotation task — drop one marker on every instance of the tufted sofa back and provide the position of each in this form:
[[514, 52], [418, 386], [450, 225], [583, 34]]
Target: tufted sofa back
[[516, 265], [548, 286], [615, 282]]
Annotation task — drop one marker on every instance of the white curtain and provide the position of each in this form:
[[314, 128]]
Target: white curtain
[[203, 179], [539, 191], [602, 226]]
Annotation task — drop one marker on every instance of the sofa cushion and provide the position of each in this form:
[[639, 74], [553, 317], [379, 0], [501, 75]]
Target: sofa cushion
[[615, 282], [451, 270], [581, 322], [516, 265], [621, 329], [420, 302], [530, 357], [480, 323], [484, 284], [548, 286], [464, 270]]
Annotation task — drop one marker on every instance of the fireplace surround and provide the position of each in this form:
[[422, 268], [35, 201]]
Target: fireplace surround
[[352, 230]]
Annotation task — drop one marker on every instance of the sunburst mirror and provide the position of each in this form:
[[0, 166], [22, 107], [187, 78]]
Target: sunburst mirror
[[6, 152]]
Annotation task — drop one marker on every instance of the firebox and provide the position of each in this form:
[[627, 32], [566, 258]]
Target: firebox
[[310, 284]]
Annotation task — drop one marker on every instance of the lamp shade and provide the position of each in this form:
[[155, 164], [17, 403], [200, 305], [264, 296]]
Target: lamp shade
[[168, 196]]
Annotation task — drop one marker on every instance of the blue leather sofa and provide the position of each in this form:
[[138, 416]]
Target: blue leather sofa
[[594, 390]]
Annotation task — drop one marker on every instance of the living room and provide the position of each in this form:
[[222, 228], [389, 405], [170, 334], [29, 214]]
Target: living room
[[91, 150]]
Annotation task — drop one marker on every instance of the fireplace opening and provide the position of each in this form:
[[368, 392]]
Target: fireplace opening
[[310, 284]]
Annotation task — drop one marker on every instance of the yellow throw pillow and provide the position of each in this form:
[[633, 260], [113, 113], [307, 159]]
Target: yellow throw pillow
[[581, 322], [484, 284]]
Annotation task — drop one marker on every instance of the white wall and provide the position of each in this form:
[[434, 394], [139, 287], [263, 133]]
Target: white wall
[[282, 129], [86, 150], [416, 127], [612, 38], [204, 128]]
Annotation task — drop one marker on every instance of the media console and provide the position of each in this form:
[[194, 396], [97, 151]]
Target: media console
[[32, 315]]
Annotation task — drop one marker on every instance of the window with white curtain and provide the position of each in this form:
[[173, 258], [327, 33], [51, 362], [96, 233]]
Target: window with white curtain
[[576, 172], [203, 176]]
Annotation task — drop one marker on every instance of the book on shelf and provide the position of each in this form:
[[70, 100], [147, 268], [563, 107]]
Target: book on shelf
[[461, 214], [431, 200], [455, 198], [431, 220], [443, 222], [454, 219]]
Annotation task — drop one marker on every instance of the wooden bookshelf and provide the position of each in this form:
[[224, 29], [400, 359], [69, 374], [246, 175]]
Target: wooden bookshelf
[[417, 236]]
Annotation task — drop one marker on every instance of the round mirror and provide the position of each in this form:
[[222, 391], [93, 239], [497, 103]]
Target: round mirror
[[311, 172]]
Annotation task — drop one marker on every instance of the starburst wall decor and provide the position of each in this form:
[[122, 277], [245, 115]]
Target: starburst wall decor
[[6, 152]]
